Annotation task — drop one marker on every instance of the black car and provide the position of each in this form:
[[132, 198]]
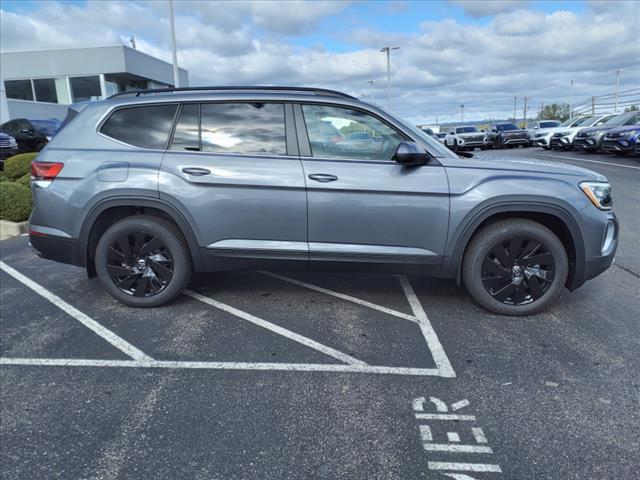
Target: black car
[[8, 148], [31, 135], [506, 135]]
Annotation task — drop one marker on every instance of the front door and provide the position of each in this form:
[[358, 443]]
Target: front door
[[364, 208], [234, 170]]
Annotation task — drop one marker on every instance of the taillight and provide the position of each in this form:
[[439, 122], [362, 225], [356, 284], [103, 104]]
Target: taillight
[[45, 170]]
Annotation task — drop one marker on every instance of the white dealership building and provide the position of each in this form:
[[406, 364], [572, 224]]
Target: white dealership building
[[40, 84]]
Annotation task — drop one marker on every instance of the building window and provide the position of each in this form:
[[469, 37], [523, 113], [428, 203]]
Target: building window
[[85, 88], [18, 89], [45, 89]]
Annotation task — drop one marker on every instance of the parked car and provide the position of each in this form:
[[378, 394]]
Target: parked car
[[537, 129], [465, 138], [31, 135], [441, 136], [8, 148], [174, 181], [621, 140], [543, 137], [591, 139], [506, 135], [563, 138]]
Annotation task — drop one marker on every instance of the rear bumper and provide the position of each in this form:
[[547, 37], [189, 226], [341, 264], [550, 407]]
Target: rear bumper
[[58, 249]]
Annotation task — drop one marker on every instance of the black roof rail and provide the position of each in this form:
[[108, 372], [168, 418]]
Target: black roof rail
[[316, 91]]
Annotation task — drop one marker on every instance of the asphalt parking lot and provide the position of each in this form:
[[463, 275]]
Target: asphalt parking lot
[[304, 376]]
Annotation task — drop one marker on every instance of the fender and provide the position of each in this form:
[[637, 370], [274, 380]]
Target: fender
[[452, 266], [138, 201]]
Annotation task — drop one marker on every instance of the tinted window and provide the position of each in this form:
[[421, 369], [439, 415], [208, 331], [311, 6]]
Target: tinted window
[[187, 134], [549, 124], [634, 120], [18, 89], [360, 136], [45, 90], [506, 126], [144, 127], [243, 128]]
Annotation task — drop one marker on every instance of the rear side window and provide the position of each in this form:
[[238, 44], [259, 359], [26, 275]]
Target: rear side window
[[248, 128], [143, 127]]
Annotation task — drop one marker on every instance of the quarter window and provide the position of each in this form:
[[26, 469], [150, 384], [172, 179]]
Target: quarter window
[[144, 127], [345, 133], [249, 128]]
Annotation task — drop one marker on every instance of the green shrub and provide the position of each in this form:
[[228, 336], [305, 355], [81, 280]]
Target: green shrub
[[25, 180], [18, 165], [3, 177], [15, 202]]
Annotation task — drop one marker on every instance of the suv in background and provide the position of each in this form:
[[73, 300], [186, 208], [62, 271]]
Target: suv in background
[[507, 135], [31, 135], [147, 187], [462, 138], [592, 139], [540, 131], [563, 138]]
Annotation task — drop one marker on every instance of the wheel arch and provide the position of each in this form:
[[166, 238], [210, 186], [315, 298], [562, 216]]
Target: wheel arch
[[107, 212], [559, 220]]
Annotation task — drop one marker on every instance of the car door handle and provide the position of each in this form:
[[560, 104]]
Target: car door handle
[[323, 177], [196, 172]]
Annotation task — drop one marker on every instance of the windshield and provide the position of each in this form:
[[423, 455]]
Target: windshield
[[506, 126], [583, 121], [549, 124], [617, 120], [466, 129], [47, 127]]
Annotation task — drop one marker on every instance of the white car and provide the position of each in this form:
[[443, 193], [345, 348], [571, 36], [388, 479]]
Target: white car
[[539, 130], [563, 136], [461, 138]]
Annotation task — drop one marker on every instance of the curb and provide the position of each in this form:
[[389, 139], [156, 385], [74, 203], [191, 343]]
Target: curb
[[12, 229]]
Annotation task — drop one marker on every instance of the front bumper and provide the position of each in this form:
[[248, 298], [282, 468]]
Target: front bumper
[[618, 145], [601, 231], [561, 142], [541, 141], [590, 144]]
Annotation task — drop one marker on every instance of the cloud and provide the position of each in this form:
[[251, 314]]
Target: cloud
[[485, 8], [440, 64]]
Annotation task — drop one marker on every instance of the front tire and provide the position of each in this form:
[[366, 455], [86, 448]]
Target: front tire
[[515, 267], [143, 261]]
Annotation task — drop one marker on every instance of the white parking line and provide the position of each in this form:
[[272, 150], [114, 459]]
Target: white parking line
[[609, 164], [342, 296], [430, 336], [464, 467], [87, 321], [160, 364], [276, 329]]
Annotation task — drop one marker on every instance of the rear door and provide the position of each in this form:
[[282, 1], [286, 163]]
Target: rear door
[[234, 171], [363, 207]]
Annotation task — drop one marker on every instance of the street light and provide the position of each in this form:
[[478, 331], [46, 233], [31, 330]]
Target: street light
[[462, 113], [571, 100], [388, 52], [176, 76], [617, 84], [370, 82]]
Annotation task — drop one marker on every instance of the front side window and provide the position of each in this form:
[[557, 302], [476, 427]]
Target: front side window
[[143, 127], [245, 128], [336, 132]]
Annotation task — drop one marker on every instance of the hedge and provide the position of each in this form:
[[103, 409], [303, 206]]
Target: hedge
[[18, 165], [25, 180], [15, 202]]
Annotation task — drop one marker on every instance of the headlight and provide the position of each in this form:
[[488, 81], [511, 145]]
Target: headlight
[[12, 142], [599, 193], [630, 133], [48, 137]]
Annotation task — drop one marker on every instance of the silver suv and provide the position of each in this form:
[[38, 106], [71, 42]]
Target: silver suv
[[145, 188]]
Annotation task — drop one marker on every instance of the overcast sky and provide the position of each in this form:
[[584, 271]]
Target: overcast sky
[[480, 54]]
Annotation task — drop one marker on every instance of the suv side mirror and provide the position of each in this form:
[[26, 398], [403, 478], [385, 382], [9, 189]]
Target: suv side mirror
[[410, 153], [28, 131]]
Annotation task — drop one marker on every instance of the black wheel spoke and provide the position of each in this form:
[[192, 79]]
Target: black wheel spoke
[[492, 267], [138, 241], [540, 259], [495, 283], [519, 295], [515, 247], [163, 272], [116, 255], [530, 249], [153, 244], [534, 285], [127, 282], [141, 286], [117, 271], [505, 292], [502, 255], [125, 246]]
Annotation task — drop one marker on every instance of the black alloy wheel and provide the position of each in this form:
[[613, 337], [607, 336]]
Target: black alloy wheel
[[140, 264], [518, 271]]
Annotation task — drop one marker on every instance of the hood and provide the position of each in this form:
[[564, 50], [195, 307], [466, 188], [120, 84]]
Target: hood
[[538, 167], [626, 128], [544, 130], [599, 128]]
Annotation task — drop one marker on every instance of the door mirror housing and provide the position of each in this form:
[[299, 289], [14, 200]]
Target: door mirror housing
[[411, 153], [27, 131]]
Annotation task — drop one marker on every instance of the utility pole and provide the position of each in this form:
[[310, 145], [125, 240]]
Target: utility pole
[[388, 52], [524, 113], [176, 75], [571, 100], [462, 113], [515, 99], [617, 85], [370, 82], [593, 105], [437, 124]]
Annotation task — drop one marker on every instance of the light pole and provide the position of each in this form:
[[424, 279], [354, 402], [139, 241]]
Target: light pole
[[462, 113], [371, 89], [388, 52], [617, 84], [176, 76], [571, 100], [515, 99]]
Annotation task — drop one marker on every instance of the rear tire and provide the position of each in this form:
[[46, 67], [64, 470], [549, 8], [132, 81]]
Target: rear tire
[[143, 261], [515, 267]]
